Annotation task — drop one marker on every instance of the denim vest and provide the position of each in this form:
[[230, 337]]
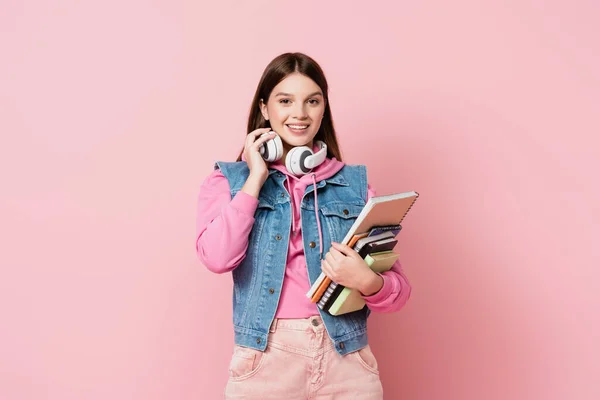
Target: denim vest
[[258, 280]]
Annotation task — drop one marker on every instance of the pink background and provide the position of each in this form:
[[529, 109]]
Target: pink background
[[112, 113]]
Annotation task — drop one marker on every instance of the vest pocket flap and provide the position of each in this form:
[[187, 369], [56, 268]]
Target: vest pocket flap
[[341, 210]]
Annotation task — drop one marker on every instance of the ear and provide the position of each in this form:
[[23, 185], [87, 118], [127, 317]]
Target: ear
[[263, 109]]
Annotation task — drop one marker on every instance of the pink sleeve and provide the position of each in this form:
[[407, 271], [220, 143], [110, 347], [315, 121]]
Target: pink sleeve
[[396, 289], [223, 224]]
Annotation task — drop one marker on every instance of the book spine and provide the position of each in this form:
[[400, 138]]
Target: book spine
[[334, 296], [394, 229]]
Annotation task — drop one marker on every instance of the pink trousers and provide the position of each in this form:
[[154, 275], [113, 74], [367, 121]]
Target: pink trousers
[[300, 362]]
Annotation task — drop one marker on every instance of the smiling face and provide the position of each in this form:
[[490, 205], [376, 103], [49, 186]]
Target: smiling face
[[295, 109]]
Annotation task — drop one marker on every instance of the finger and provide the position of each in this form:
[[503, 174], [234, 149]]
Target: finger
[[327, 270], [251, 137], [330, 259], [337, 255], [258, 132], [259, 142], [342, 248]]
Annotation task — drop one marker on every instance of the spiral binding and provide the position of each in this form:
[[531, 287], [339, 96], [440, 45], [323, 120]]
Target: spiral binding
[[409, 207], [327, 295]]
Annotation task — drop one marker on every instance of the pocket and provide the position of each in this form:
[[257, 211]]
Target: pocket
[[339, 218], [341, 210], [367, 359], [245, 362]]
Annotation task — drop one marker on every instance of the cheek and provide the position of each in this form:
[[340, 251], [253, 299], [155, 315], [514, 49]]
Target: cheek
[[277, 115], [316, 114]]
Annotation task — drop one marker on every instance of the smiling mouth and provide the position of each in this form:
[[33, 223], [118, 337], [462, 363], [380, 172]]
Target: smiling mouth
[[297, 127]]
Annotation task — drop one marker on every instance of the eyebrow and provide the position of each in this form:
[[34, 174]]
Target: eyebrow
[[290, 95]]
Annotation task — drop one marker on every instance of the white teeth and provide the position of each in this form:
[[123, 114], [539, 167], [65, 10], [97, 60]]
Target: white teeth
[[298, 126]]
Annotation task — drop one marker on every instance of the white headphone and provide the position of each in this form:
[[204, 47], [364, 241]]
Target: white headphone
[[299, 160]]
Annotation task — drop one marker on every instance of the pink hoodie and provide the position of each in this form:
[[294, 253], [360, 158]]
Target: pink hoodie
[[221, 219]]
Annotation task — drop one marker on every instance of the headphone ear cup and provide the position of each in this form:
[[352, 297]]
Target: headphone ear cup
[[278, 147], [294, 161], [272, 150]]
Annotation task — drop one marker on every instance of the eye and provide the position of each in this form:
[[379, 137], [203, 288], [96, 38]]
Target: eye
[[284, 101], [314, 102]]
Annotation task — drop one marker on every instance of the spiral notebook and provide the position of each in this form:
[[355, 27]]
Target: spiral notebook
[[379, 211]]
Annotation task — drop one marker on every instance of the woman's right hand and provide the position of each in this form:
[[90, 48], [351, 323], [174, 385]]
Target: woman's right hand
[[256, 164]]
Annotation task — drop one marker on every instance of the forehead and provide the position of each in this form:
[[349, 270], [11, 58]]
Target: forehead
[[297, 84]]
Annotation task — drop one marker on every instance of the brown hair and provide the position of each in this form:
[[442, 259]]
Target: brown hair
[[277, 70]]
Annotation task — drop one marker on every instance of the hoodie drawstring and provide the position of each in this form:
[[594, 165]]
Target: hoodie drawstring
[[314, 181], [317, 217], [291, 202]]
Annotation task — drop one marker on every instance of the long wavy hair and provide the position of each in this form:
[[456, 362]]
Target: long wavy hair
[[277, 70]]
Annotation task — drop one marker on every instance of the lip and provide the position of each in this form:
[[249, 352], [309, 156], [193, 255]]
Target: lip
[[296, 131]]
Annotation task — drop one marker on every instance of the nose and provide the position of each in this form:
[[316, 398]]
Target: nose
[[299, 111]]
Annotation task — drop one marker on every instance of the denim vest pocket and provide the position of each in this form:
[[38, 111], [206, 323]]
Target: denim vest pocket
[[339, 218], [342, 210]]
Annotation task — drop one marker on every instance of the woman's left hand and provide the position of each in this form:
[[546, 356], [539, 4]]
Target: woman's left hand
[[346, 267]]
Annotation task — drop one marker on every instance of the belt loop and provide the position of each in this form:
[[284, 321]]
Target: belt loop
[[273, 325]]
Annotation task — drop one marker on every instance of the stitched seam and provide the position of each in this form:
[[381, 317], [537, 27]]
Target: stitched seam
[[364, 364], [289, 349]]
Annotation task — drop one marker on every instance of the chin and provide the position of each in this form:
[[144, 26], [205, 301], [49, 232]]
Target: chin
[[295, 140]]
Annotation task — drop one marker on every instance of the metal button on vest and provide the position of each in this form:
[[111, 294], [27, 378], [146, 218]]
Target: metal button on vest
[[342, 345], [312, 245], [315, 322], [271, 290], [282, 194], [258, 340], [278, 237], [345, 212]]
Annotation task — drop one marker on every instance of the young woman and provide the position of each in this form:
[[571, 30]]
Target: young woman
[[276, 226]]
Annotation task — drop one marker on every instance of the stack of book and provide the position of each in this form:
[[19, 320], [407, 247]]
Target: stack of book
[[373, 237]]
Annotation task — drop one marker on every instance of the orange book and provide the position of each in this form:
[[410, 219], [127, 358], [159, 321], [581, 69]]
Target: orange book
[[355, 238], [320, 290]]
